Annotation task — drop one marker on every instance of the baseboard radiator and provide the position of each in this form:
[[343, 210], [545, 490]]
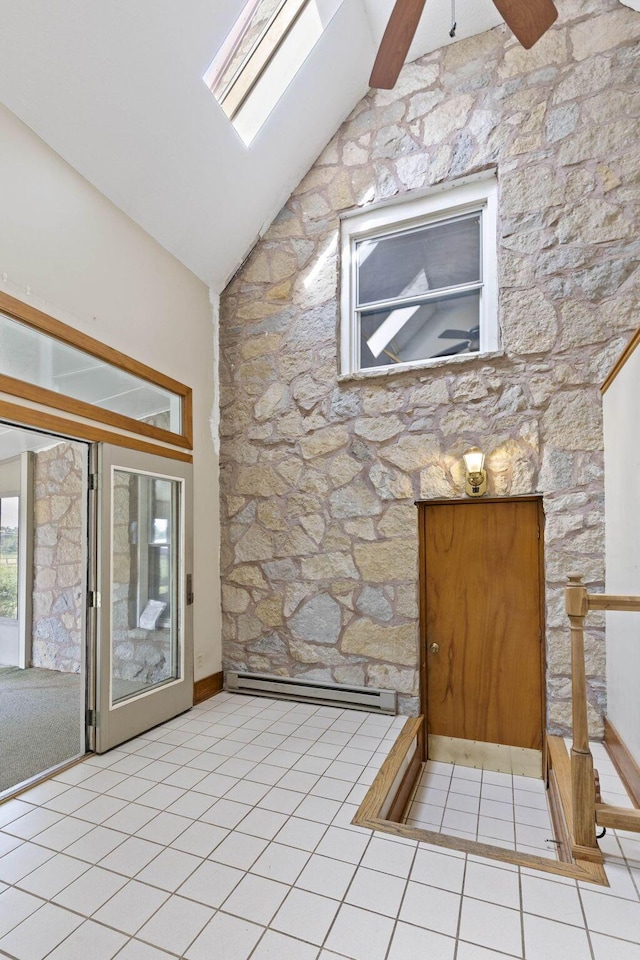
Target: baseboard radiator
[[312, 691]]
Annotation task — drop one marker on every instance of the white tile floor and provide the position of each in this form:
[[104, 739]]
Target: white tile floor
[[481, 805], [226, 834]]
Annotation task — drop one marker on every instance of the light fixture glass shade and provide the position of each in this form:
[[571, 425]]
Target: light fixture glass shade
[[473, 460]]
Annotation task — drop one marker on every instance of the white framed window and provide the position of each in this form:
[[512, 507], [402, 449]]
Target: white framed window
[[419, 279]]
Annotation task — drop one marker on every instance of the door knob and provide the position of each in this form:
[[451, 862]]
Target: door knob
[[434, 648]]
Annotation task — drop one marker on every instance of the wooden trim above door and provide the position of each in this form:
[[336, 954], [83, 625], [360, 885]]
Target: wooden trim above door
[[43, 323], [470, 501], [78, 430]]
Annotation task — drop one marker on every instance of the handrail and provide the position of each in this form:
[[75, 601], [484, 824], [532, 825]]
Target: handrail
[[578, 603], [603, 601], [626, 354]]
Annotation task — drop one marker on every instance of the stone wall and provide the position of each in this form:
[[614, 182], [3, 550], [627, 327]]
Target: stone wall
[[319, 473], [58, 558], [162, 420]]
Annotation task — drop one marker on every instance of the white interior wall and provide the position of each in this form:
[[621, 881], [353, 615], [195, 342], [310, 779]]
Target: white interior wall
[[622, 518], [67, 250]]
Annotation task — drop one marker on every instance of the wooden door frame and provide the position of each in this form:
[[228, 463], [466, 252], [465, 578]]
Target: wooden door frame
[[423, 509]]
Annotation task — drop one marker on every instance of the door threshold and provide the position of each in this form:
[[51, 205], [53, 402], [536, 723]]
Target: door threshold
[[389, 795], [39, 778]]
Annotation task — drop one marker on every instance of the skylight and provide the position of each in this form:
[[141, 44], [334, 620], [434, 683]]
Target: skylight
[[266, 47]]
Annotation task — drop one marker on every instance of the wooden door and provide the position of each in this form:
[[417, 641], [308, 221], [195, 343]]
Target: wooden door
[[482, 609]]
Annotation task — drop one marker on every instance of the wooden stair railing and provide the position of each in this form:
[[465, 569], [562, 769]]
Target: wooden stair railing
[[587, 806]]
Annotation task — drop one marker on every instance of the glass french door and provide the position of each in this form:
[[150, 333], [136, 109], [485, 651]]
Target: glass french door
[[144, 664]]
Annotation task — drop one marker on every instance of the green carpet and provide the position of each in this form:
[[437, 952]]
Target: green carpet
[[39, 721]]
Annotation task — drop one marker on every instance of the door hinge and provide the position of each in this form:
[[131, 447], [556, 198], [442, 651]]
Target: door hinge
[[189, 589], [93, 718], [538, 531], [94, 598], [94, 481]]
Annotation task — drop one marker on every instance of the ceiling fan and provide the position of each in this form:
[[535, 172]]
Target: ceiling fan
[[469, 340], [528, 20]]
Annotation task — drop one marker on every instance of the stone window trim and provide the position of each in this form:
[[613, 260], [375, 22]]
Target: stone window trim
[[419, 367], [478, 192]]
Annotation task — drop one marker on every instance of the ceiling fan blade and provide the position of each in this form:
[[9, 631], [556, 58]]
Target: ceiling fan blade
[[396, 41], [455, 334], [528, 20]]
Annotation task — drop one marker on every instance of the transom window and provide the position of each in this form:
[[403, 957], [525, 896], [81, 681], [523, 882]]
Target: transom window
[[419, 279], [45, 361]]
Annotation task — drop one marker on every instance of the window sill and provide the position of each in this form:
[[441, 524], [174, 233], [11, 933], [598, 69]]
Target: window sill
[[421, 368]]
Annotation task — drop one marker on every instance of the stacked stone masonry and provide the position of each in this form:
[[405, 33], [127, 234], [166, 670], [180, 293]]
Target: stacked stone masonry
[[58, 558], [319, 473]]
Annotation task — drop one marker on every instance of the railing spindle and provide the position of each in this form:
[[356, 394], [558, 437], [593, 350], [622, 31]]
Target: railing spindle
[[582, 780]]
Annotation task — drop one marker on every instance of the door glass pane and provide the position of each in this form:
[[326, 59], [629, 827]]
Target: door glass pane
[[145, 614], [417, 262], [9, 557]]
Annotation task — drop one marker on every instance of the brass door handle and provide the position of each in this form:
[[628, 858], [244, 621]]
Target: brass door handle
[[434, 648]]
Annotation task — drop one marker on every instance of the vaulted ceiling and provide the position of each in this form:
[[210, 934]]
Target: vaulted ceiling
[[115, 87]]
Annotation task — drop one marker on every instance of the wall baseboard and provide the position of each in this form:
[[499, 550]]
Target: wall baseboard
[[207, 687], [623, 761]]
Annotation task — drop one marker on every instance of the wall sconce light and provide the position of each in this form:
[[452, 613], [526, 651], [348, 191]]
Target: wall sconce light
[[476, 478]]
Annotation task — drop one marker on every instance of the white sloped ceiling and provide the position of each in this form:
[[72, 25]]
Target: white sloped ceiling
[[115, 87]]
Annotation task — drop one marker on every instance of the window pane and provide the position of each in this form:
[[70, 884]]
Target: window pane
[[248, 29], [262, 54], [412, 264], [36, 358], [9, 557], [443, 327], [145, 627]]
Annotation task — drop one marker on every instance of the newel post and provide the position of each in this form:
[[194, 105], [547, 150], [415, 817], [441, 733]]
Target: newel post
[[582, 781]]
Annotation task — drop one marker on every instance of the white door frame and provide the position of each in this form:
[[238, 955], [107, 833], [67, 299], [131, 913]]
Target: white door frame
[[25, 559], [17, 633]]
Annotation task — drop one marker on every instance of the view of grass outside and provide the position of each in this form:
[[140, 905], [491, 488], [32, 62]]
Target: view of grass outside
[[9, 557]]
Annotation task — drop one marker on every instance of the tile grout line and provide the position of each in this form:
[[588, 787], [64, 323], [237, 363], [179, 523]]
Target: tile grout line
[[521, 898], [459, 924], [341, 805], [396, 921]]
